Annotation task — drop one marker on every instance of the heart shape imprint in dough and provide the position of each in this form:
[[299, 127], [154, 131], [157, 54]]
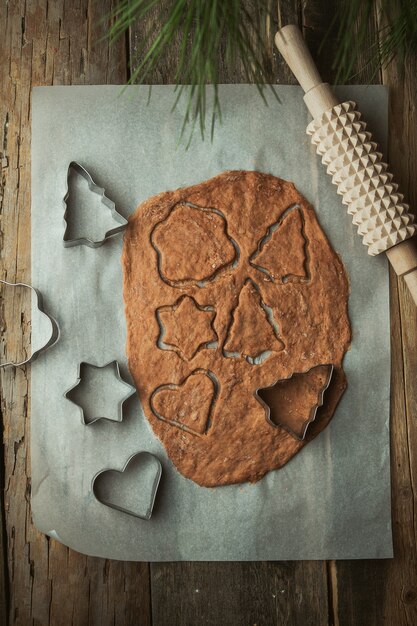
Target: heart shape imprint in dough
[[188, 405], [131, 490]]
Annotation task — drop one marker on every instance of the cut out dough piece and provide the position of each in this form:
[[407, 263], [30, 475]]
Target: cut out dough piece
[[202, 233], [187, 405], [179, 334], [293, 403], [282, 253], [251, 333], [240, 444]]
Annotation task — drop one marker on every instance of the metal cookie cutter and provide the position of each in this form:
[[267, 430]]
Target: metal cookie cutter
[[107, 485], [86, 241], [315, 408], [116, 370], [54, 336]]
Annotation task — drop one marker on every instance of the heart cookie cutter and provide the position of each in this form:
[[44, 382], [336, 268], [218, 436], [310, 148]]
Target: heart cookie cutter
[[109, 204], [146, 512], [55, 332], [315, 408], [116, 370]]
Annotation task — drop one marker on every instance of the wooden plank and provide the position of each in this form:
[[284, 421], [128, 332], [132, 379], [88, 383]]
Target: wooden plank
[[393, 584], [236, 593], [320, 28], [232, 594], [356, 588], [44, 43], [3, 555], [382, 592]]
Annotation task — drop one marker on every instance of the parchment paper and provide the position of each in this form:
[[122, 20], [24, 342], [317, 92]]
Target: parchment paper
[[332, 501]]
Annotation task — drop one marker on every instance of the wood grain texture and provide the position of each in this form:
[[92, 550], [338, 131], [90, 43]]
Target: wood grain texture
[[385, 592], [321, 28], [45, 43], [55, 42], [238, 594]]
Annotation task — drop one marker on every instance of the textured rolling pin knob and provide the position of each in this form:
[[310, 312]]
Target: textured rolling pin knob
[[357, 168]]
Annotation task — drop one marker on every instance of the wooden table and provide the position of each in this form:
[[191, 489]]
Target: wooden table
[[55, 42]]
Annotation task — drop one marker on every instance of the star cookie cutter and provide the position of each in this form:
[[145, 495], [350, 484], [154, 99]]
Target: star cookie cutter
[[315, 408], [55, 332], [144, 513], [109, 204], [130, 391]]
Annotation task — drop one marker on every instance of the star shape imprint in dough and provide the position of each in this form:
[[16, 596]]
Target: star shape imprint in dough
[[186, 327]]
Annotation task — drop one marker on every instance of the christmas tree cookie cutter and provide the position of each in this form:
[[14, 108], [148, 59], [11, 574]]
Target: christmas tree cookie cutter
[[301, 433], [105, 201], [54, 334]]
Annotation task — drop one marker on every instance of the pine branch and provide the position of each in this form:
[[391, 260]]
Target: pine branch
[[201, 28], [396, 38], [211, 32]]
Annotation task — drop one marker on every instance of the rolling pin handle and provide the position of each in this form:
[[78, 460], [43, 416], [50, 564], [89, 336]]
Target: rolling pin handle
[[403, 258], [290, 42], [319, 97]]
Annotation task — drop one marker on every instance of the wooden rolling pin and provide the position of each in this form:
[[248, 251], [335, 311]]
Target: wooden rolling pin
[[356, 166]]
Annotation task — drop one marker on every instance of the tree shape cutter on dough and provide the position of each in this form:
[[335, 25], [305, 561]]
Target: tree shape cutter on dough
[[181, 336], [188, 405], [202, 233], [292, 403], [282, 253]]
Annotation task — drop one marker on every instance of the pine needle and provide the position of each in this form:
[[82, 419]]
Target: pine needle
[[206, 34], [396, 35]]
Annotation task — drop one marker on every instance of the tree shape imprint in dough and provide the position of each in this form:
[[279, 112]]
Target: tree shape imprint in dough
[[282, 253], [253, 333]]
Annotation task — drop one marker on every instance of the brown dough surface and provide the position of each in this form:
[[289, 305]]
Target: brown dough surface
[[242, 263], [283, 254], [252, 339], [206, 249], [292, 402], [188, 404], [185, 338]]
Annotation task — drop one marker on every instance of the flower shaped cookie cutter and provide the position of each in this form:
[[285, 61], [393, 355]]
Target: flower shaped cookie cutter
[[54, 333]]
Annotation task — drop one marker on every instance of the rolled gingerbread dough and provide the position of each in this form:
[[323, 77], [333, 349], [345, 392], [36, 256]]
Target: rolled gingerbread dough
[[236, 309]]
